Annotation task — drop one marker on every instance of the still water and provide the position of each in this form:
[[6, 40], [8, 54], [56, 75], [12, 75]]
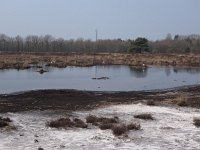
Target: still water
[[121, 78]]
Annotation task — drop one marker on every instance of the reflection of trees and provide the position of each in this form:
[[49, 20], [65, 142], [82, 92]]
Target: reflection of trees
[[114, 67], [188, 70], [168, 71], [139, 72]]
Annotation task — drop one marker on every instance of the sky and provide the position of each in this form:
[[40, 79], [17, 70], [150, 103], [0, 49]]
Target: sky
[[125, 19]]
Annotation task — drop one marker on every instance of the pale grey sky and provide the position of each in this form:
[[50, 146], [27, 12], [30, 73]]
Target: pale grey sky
[[113, 18]]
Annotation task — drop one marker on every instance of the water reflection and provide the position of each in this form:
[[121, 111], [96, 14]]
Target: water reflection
[[142, 72], [121, 78], [188, 70], [139, 72]]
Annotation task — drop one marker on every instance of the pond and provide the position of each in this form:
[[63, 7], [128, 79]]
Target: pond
[[108, 78]]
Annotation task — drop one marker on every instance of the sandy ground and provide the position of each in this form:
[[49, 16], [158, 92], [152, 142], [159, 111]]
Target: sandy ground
[[172, 128]]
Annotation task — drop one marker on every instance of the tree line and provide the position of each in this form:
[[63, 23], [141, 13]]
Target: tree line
[[177, 44], [48, 43]]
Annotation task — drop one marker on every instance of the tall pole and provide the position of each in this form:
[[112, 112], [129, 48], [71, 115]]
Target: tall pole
[[96, 34], [96, 31]]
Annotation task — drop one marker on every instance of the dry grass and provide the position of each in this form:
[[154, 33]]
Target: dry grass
[[61, 60], [151, 103], [144, 116], [196, 122], [181, 100]]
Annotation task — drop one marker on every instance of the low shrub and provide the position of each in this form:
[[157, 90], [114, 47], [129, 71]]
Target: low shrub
[[133, 126], [5, 119], [96, 120], [107, 120], [119, 129], [60, 123], [96, 124], [91, 119], [3, 124], [196, 122], [67, 123], [144, 116], [106, 126], [79, 123]]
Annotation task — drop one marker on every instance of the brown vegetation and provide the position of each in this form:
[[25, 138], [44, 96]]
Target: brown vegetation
[[133, 126], [181, 100], [91, 119], [119, 129], [144, 116], [5, 119], [105, 126], [79, 123], [151, 103], [196, 122], [66, 123], [61, 60], [60, 123], [112, 123], [4, 122], [94, 119]]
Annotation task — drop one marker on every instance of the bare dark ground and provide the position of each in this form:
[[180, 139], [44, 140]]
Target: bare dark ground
[[85, 100]]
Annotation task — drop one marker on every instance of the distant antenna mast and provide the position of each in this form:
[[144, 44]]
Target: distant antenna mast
[[96, 31]]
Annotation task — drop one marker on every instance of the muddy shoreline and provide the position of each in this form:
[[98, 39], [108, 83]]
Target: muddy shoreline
[[85, 100], [62, 60]]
